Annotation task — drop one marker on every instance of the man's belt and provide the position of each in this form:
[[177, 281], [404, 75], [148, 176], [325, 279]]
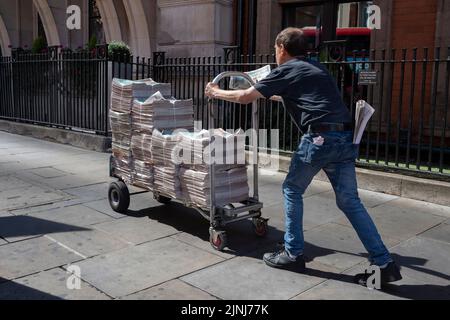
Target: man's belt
[[324, 127]]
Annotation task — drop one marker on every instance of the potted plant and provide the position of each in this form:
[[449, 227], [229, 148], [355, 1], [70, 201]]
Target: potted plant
[[120, 55], [39, 44]]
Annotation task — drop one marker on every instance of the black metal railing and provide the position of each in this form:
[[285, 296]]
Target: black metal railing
[[409, 90], [61, 89]]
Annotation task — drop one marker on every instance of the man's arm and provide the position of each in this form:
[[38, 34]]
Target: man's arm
[[236, 96]]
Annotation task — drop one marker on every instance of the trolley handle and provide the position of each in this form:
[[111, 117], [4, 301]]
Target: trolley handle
[[233, 74], [223, 75]]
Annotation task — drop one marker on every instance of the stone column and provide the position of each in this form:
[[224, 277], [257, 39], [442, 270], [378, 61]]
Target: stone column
[[194, 27], [4, 39], [268, 25]]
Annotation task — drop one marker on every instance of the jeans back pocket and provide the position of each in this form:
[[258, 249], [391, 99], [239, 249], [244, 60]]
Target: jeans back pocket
[[315, 155]]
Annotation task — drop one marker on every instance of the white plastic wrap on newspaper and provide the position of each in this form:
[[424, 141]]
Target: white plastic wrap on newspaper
[[364, 112], [159, 113], [256, 75]]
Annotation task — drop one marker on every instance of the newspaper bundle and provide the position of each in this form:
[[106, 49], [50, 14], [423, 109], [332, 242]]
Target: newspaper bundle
[[364, 112], [159, 113], [124, 141], [228, 154], [166, 166]]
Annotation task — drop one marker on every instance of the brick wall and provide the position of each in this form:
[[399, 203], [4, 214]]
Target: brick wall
[[413, 23]]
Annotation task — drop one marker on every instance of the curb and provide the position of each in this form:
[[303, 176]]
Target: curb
[[74, 138]]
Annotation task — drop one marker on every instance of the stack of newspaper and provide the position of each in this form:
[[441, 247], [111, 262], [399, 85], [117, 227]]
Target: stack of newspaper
[[121, 143], [364, 112], [123, 93], [228, 153], [141, 146], [227, 149], [121, 129], [166, 164], [143, 174], [231, 186], [159, 113]]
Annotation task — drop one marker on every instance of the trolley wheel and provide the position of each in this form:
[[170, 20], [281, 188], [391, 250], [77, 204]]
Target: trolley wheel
[[162, 199], [119, 197], [261, 226], [218, 239]]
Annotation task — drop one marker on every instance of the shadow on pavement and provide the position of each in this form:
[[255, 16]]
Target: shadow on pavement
[[25, 226], [11, 290], [243, 242]]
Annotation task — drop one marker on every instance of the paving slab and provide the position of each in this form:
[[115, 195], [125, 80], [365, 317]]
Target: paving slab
[[89, 243], [77, 215], [369, 199], [104, 207], [29, 196], [245, 278], [171, 290], [203, 244], [49, 172], [318, 209], [441, 233], [18, 228], [48, 285], [399, 222], [69, 181], [425, 260], [90, 192], [421, 206], [128, 271], [408, 287], [11, 183], [31, 256], [335, 245], [137, 230], [8, 167], [98, 165], [341, 290]]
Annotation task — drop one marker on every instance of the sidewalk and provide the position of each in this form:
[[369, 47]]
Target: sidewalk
[[54, 212]]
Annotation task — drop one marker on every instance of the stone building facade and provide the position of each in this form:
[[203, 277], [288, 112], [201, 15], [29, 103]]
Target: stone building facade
[[186, 28], [180, 27]]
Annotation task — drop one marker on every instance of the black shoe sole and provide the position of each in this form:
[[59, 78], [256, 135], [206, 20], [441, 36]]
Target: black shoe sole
[[295, 266], [363, 282]]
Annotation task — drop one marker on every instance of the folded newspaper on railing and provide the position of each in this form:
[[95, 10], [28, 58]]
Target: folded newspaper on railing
[[364, 112], [239, 83]]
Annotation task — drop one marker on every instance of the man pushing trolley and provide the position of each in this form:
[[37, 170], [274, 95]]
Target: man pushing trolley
[[311, 96]]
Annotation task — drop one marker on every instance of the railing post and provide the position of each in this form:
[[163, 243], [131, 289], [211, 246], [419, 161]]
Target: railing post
[[159, 58], [231, 54]]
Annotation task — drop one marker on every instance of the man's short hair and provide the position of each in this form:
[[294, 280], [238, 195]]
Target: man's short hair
[[293, 41]]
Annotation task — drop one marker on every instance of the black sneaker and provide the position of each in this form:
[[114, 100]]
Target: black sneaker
[[391, 273], [283, 260]]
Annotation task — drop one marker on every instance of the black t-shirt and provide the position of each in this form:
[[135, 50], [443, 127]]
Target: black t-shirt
[[309, 92]]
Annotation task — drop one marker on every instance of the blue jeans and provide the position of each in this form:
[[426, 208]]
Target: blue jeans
[[337, 158]]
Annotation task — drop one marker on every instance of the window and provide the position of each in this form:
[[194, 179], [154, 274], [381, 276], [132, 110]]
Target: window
[[353, 14], [301, 16], [95, 23], [307, 17], [352, 27]]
